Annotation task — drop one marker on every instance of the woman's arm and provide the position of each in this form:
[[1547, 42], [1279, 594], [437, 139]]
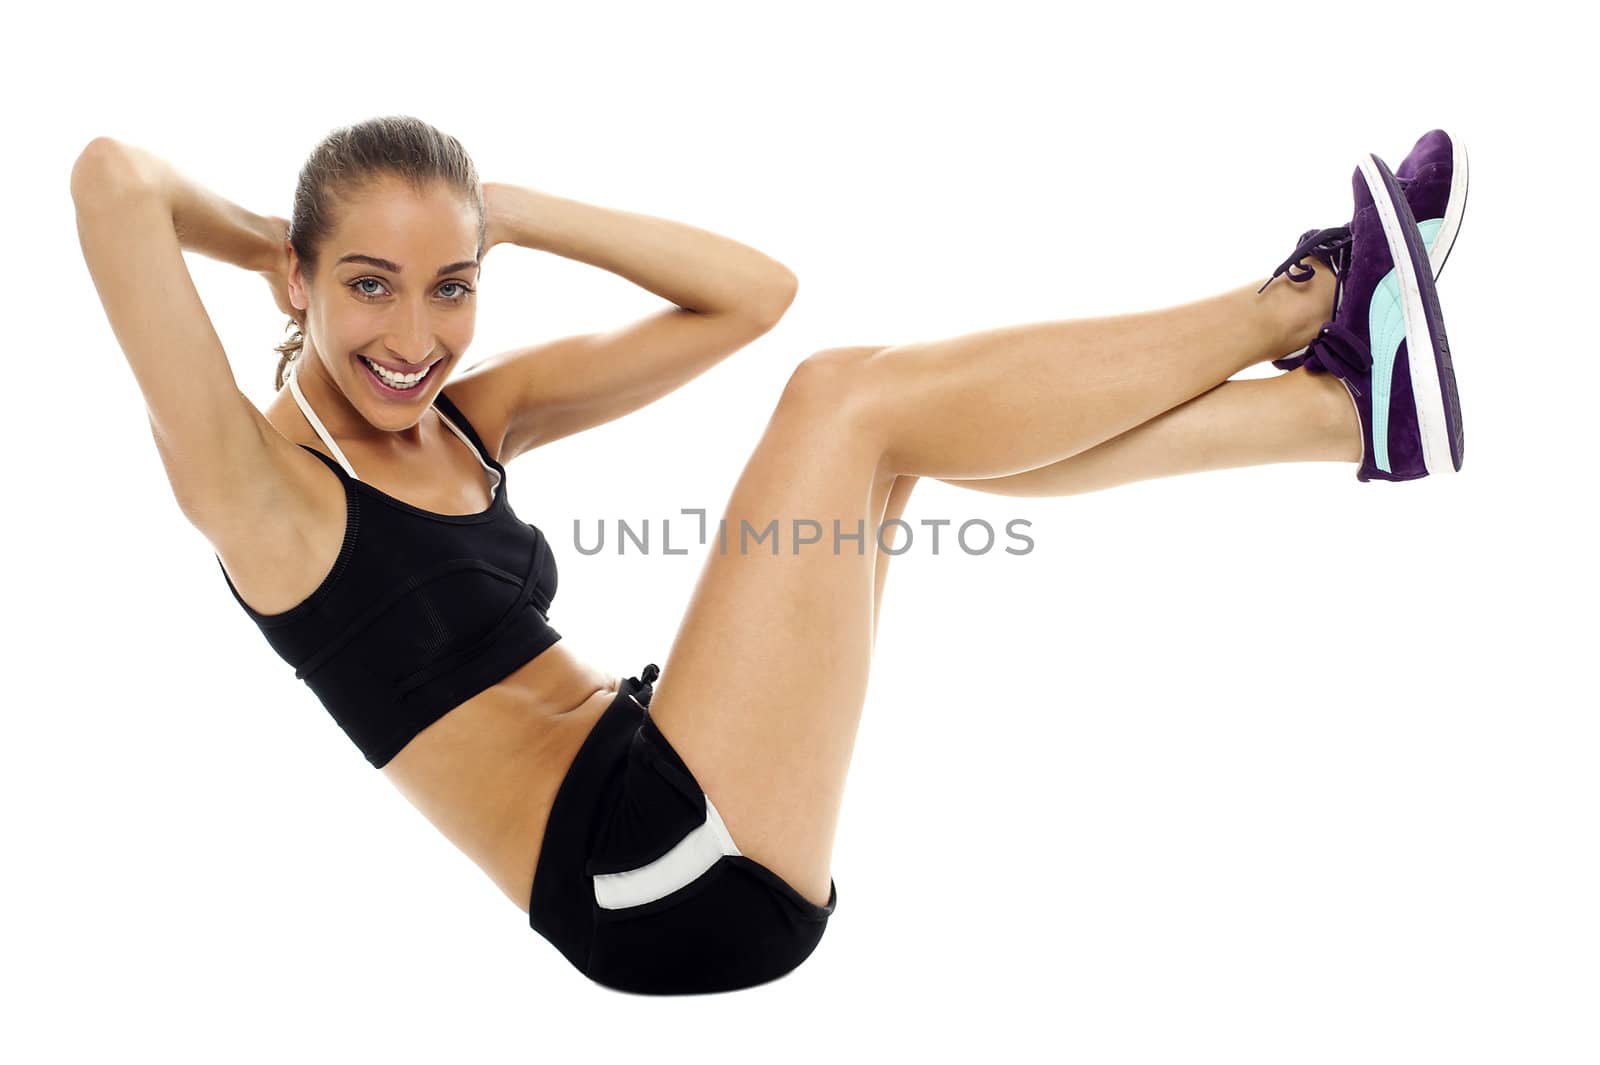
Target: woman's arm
[[695, 269], [725, 294], [203, 221], [135, 214]]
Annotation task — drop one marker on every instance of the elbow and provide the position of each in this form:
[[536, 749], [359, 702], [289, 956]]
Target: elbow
[[777, 295], [103, 165]]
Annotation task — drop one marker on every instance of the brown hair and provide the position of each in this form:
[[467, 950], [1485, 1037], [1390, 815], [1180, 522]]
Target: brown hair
[[352, 158]]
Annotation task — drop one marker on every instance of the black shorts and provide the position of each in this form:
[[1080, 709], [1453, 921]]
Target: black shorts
[[639, 884]]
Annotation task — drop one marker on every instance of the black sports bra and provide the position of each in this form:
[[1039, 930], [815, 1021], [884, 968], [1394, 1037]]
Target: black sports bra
[[421, 611]]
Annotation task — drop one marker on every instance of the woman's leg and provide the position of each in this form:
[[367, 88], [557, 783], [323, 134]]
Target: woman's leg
[[762, 688], [1293, 417], [896, 496]]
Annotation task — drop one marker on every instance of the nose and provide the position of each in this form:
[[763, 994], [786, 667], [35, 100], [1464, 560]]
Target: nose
[[412, 340]]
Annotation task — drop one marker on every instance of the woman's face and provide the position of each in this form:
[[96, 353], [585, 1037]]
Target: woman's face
[[395, 284]]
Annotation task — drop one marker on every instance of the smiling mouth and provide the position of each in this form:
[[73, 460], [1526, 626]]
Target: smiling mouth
[[393, 383]]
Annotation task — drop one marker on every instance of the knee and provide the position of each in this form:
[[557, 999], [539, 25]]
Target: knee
[[833, 381]]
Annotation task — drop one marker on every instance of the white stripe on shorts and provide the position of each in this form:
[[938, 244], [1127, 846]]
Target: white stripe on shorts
[[683, 864]]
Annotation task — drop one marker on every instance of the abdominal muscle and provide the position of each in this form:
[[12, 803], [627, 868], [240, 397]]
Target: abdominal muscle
[[487, 772]]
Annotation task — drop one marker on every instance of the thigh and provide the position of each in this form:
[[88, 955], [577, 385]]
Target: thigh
[[762, 689]]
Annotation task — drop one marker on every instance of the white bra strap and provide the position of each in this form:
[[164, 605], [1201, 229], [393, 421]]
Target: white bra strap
[[494, 483], [316, 423]]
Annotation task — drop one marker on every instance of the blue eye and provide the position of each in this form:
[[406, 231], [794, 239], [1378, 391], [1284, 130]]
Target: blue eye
[[369, 294]]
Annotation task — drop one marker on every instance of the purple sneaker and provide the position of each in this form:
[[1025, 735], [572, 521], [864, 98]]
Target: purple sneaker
[[1434, 179], [1387, 338]]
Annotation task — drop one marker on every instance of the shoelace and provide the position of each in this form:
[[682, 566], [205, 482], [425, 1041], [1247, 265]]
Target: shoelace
[[1335, 350], [1331, 245]]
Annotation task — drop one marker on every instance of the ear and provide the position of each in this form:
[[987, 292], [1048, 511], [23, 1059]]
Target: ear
[[299, 297]]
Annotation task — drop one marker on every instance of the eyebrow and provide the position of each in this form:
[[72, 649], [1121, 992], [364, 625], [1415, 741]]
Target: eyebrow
[[394, 268]]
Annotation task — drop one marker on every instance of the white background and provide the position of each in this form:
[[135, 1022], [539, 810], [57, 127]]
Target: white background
[[1265, 765]]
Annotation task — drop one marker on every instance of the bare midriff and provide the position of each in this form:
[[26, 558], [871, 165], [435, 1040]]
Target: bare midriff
[[487, 772]]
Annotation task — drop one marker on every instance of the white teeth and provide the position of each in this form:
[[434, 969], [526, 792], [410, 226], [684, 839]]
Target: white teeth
[[395, 380]]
